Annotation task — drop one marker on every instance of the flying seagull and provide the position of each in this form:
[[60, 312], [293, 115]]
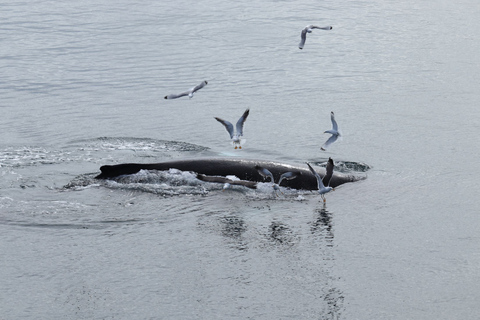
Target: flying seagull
[[235, 136], [334, 132], [188, 93], [309, 30], [265, 173], [326, 179], [227, 181]]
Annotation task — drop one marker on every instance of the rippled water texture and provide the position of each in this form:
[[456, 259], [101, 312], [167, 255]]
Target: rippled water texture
[[83, 85]]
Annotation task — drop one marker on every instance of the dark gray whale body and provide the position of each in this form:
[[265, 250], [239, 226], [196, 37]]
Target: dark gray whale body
[[244, 169]]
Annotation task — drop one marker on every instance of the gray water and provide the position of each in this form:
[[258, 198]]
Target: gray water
[[82, 85]]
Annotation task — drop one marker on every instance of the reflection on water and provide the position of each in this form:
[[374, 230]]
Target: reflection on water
[[281, 235], [233, 227], [334, 299], [322, 225], [280, 243], [322, 228]]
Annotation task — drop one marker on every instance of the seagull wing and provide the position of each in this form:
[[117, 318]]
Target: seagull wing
[[265, 173], [288, 176], [227, 125], [334, 123], [303, 37], [323, 28], [241, 121], [328, 172], [330, 140], [319, 179], [200, 86], [175, 96]]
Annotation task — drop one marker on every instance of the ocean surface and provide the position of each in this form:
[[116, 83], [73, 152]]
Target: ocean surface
[[83, 83]]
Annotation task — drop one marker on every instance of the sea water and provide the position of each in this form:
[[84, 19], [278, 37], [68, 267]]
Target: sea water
[[83, 84]]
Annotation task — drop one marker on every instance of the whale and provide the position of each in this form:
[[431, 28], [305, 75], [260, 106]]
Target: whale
[[244, 169]]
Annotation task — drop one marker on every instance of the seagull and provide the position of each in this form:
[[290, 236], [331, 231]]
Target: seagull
[[188, 93], [265, 173], [326, 179], [309, 29], [334, 132], [239, 127], [227, 181]]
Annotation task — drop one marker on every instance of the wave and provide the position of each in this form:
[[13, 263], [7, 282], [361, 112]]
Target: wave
[[175, 182], [92, 150], [139, 144]]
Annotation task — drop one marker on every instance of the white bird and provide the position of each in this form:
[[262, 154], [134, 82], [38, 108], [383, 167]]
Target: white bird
[[309, 29], [334, 132], [265, 173], [235, 136], [326, 179], [188, 93]]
